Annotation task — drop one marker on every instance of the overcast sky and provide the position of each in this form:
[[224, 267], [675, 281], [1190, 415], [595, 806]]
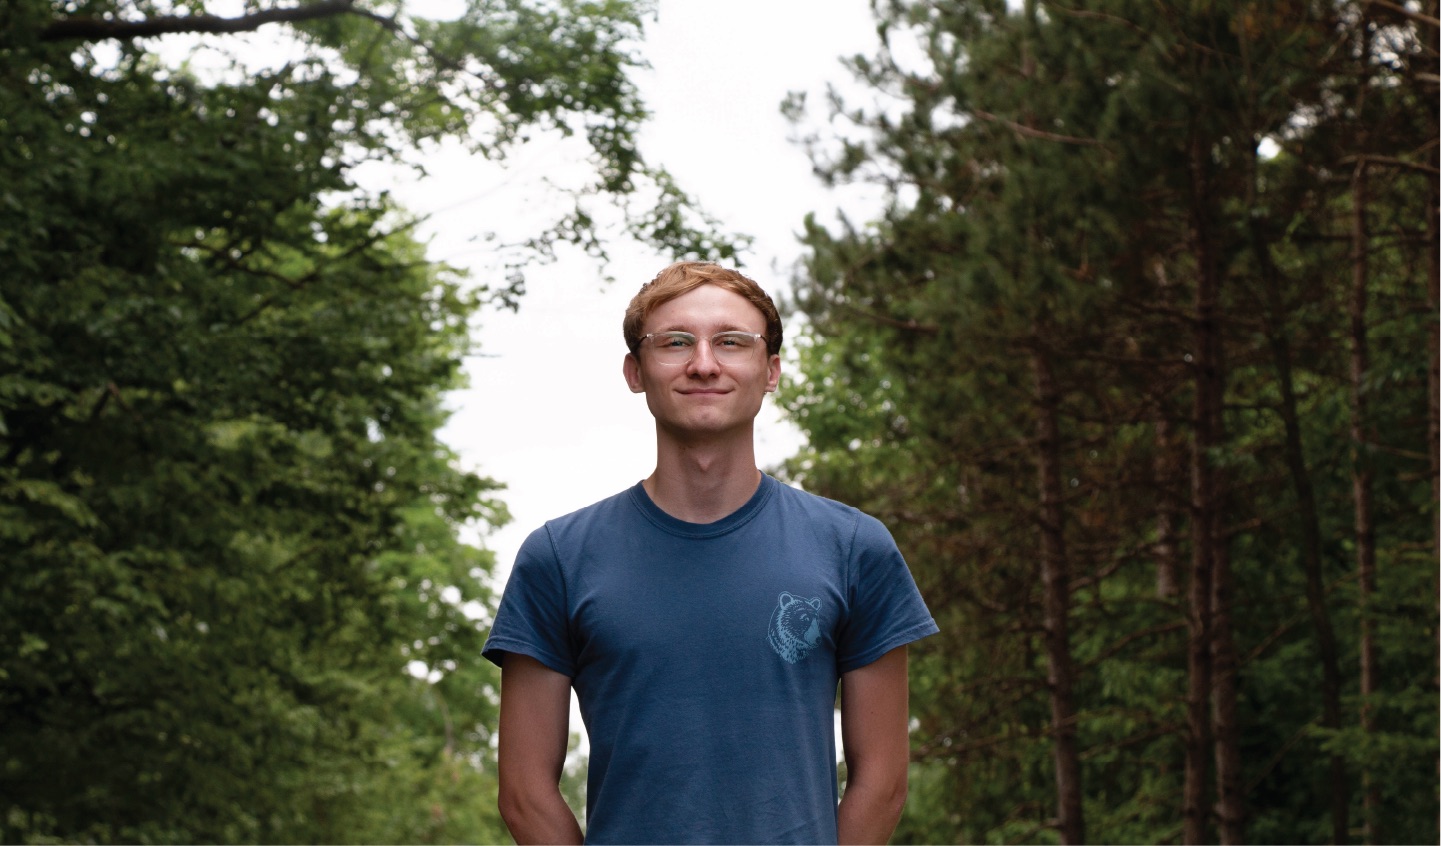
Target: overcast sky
[[547, 412]]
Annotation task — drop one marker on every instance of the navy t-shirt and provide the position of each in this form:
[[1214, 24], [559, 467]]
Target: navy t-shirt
[[706, 656]]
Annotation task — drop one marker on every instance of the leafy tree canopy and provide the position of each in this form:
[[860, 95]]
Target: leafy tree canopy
[[226, 524]]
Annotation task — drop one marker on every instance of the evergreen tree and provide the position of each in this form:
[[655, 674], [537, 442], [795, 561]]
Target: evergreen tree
[[1096, 334]]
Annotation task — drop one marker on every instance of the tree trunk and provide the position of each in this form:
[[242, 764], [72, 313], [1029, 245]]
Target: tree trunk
[[1361, 471], [1168, 554], [1433, 373], [1433, 302], [1055, 578], [1206, 414], [1311, 562], [1308, 515], [1225, 725], [1361, 479]]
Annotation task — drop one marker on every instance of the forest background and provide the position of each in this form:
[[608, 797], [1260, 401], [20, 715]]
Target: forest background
[[1137, 359]]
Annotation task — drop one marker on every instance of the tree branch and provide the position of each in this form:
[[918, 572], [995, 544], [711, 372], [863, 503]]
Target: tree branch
[[1390, 161], [99, 29], [1405, 12], [1032, 132], [1101, 16]]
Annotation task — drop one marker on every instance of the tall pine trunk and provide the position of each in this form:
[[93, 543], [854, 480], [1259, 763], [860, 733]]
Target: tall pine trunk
[[1206, 415], [1309, 526], [1168, 550], [1433, 337], [1308, 515], [1167, 466], [1225, 724], [1055, 579], [1361, 482], [1361, 472]]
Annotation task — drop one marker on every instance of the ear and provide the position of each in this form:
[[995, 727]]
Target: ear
[[773, 374], [786, 599], [814, 603], [631, 368]]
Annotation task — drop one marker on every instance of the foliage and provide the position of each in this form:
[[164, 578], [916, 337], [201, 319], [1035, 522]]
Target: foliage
[[227, 526], [1063, 178]]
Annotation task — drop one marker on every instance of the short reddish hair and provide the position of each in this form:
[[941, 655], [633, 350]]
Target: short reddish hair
[[685, 276]]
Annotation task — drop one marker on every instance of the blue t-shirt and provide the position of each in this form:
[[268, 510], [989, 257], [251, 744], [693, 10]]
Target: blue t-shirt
[[706, 656]]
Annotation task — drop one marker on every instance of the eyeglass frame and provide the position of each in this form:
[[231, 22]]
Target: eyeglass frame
[[695, 343]]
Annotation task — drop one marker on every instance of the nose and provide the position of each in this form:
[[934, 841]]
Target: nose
[[702, 360]]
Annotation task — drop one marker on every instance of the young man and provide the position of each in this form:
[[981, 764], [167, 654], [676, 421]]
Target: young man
[[705, 616]]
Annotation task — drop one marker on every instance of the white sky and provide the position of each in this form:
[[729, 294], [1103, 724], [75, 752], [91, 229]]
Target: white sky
[[547, 412]]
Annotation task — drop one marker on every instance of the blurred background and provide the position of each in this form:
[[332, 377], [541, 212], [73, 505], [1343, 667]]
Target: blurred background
[[1122, 316]]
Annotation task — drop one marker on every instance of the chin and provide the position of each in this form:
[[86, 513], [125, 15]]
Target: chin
[[703, 425]]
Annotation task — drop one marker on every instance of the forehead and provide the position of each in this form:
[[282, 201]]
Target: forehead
[[708, 308]]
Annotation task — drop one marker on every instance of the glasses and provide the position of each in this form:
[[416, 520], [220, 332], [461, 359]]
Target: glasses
[[678, 347]]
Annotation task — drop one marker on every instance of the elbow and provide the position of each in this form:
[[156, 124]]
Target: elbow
[[509, 806], [893, 800], [886, 792], [537, 815], [521, 810], [870, 811], [516, 808]]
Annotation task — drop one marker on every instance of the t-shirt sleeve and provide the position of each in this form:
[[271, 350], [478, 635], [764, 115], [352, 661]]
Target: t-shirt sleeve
[[533, 618], [886, 608]]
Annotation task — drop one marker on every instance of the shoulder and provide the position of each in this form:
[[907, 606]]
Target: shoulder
[[797, 498], [853, 534], [817, 509], [597, 511], [553, 550], [608, 514]]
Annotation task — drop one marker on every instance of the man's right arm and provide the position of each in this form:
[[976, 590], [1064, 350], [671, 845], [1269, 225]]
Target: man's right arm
[[534, 731]]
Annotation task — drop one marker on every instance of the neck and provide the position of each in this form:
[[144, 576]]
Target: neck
[[703, 482]]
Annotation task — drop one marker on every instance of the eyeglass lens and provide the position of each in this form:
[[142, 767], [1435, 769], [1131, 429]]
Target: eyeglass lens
[[678, 347]]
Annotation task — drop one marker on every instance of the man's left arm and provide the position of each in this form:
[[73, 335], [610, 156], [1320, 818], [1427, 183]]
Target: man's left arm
[[875, 734]]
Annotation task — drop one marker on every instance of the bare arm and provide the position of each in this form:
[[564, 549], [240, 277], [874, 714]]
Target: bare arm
[[534, 730], [875, 717]]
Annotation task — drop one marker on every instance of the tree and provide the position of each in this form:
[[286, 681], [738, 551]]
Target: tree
[[1089, 261], [226, 522]]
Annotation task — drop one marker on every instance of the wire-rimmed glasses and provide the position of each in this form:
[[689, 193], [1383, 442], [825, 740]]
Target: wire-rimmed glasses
[[671, 348]]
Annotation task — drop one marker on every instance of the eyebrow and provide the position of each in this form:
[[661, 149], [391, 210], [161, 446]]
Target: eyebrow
[[724, 327]]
